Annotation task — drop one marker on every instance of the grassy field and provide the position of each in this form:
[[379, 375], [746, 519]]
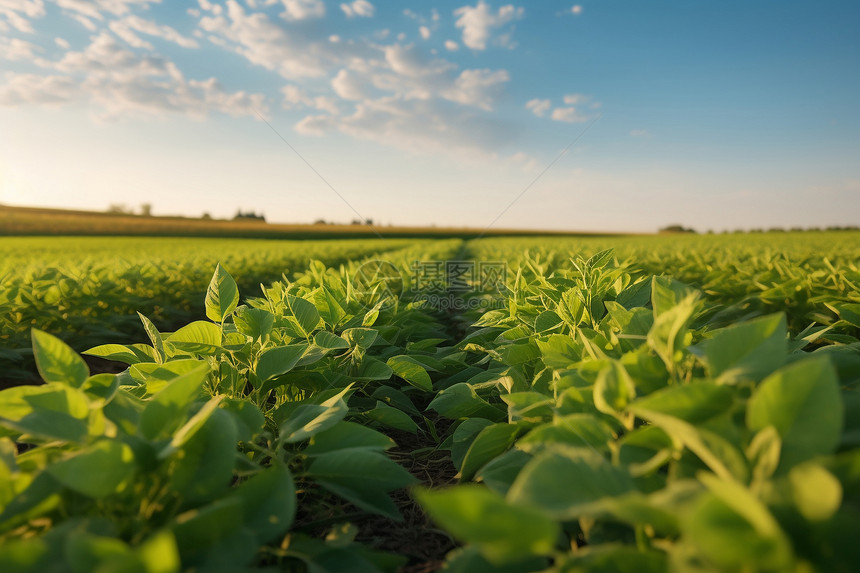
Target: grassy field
[[506, 404]]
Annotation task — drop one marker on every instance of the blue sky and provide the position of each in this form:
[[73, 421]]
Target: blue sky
[[715, 115]]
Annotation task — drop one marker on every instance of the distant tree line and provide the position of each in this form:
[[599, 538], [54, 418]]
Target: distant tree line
[[123, 209], [682, 229], [249, 216]]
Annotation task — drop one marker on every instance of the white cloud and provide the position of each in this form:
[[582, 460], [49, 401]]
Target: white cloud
[[296, 98], [94, 9], [477, 22], [358, 8], [126, 28], [86, 22], [577, 9], [119, 83], [425, 32], [18, 13], [639, 133], [16, 49], [416, 126], [303, 9], [349, 86], [334, 39], [569, 115], [266, 44], [451, 45], [32, 89], [576, 99], [572, 114], [477, 87], [539, 106], [62, 43]]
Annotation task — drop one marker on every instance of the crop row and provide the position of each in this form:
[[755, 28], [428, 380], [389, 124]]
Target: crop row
[[87, 290]]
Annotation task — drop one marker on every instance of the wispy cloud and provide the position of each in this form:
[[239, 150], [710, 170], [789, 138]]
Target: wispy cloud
[[358, 9], [480, 20]]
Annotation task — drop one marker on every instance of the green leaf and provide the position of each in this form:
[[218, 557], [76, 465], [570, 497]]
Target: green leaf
[[547, 482], [101, 387], [56, 361], [395, 398], [463, 436], [373, 369], [500, 473], [667, 293], [279, 360], [98, 471], [749, 350], [694, 403], [190, 428], [329, 308], [202, 468], [306, 316], [361, 338], [330, 341], [501, 531], [803, 403], [816, 493], [165, 412], [199, 337], [577, 430], [460, 401], [722, 456], [547, 320], [392, 418], [310, 419], [735, 530], [411, 371], [668, 334], [615, 558], [254, 322], [268, 502], [614, 389], [222, 296], [249, 420], [362, 477], [53, 411], [490, 442], [131, 354], [200, 533], [346, 436], [155, 338]]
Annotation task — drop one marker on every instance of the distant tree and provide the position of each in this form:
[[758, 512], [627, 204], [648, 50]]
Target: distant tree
[[249, 216], [206, 217], [119, 209], [320, 222], [146, 209], [676, 229]]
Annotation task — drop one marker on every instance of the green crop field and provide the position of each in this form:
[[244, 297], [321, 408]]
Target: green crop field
[[504, 404]]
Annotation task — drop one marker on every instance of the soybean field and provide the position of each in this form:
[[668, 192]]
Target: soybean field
[[558, 404]]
